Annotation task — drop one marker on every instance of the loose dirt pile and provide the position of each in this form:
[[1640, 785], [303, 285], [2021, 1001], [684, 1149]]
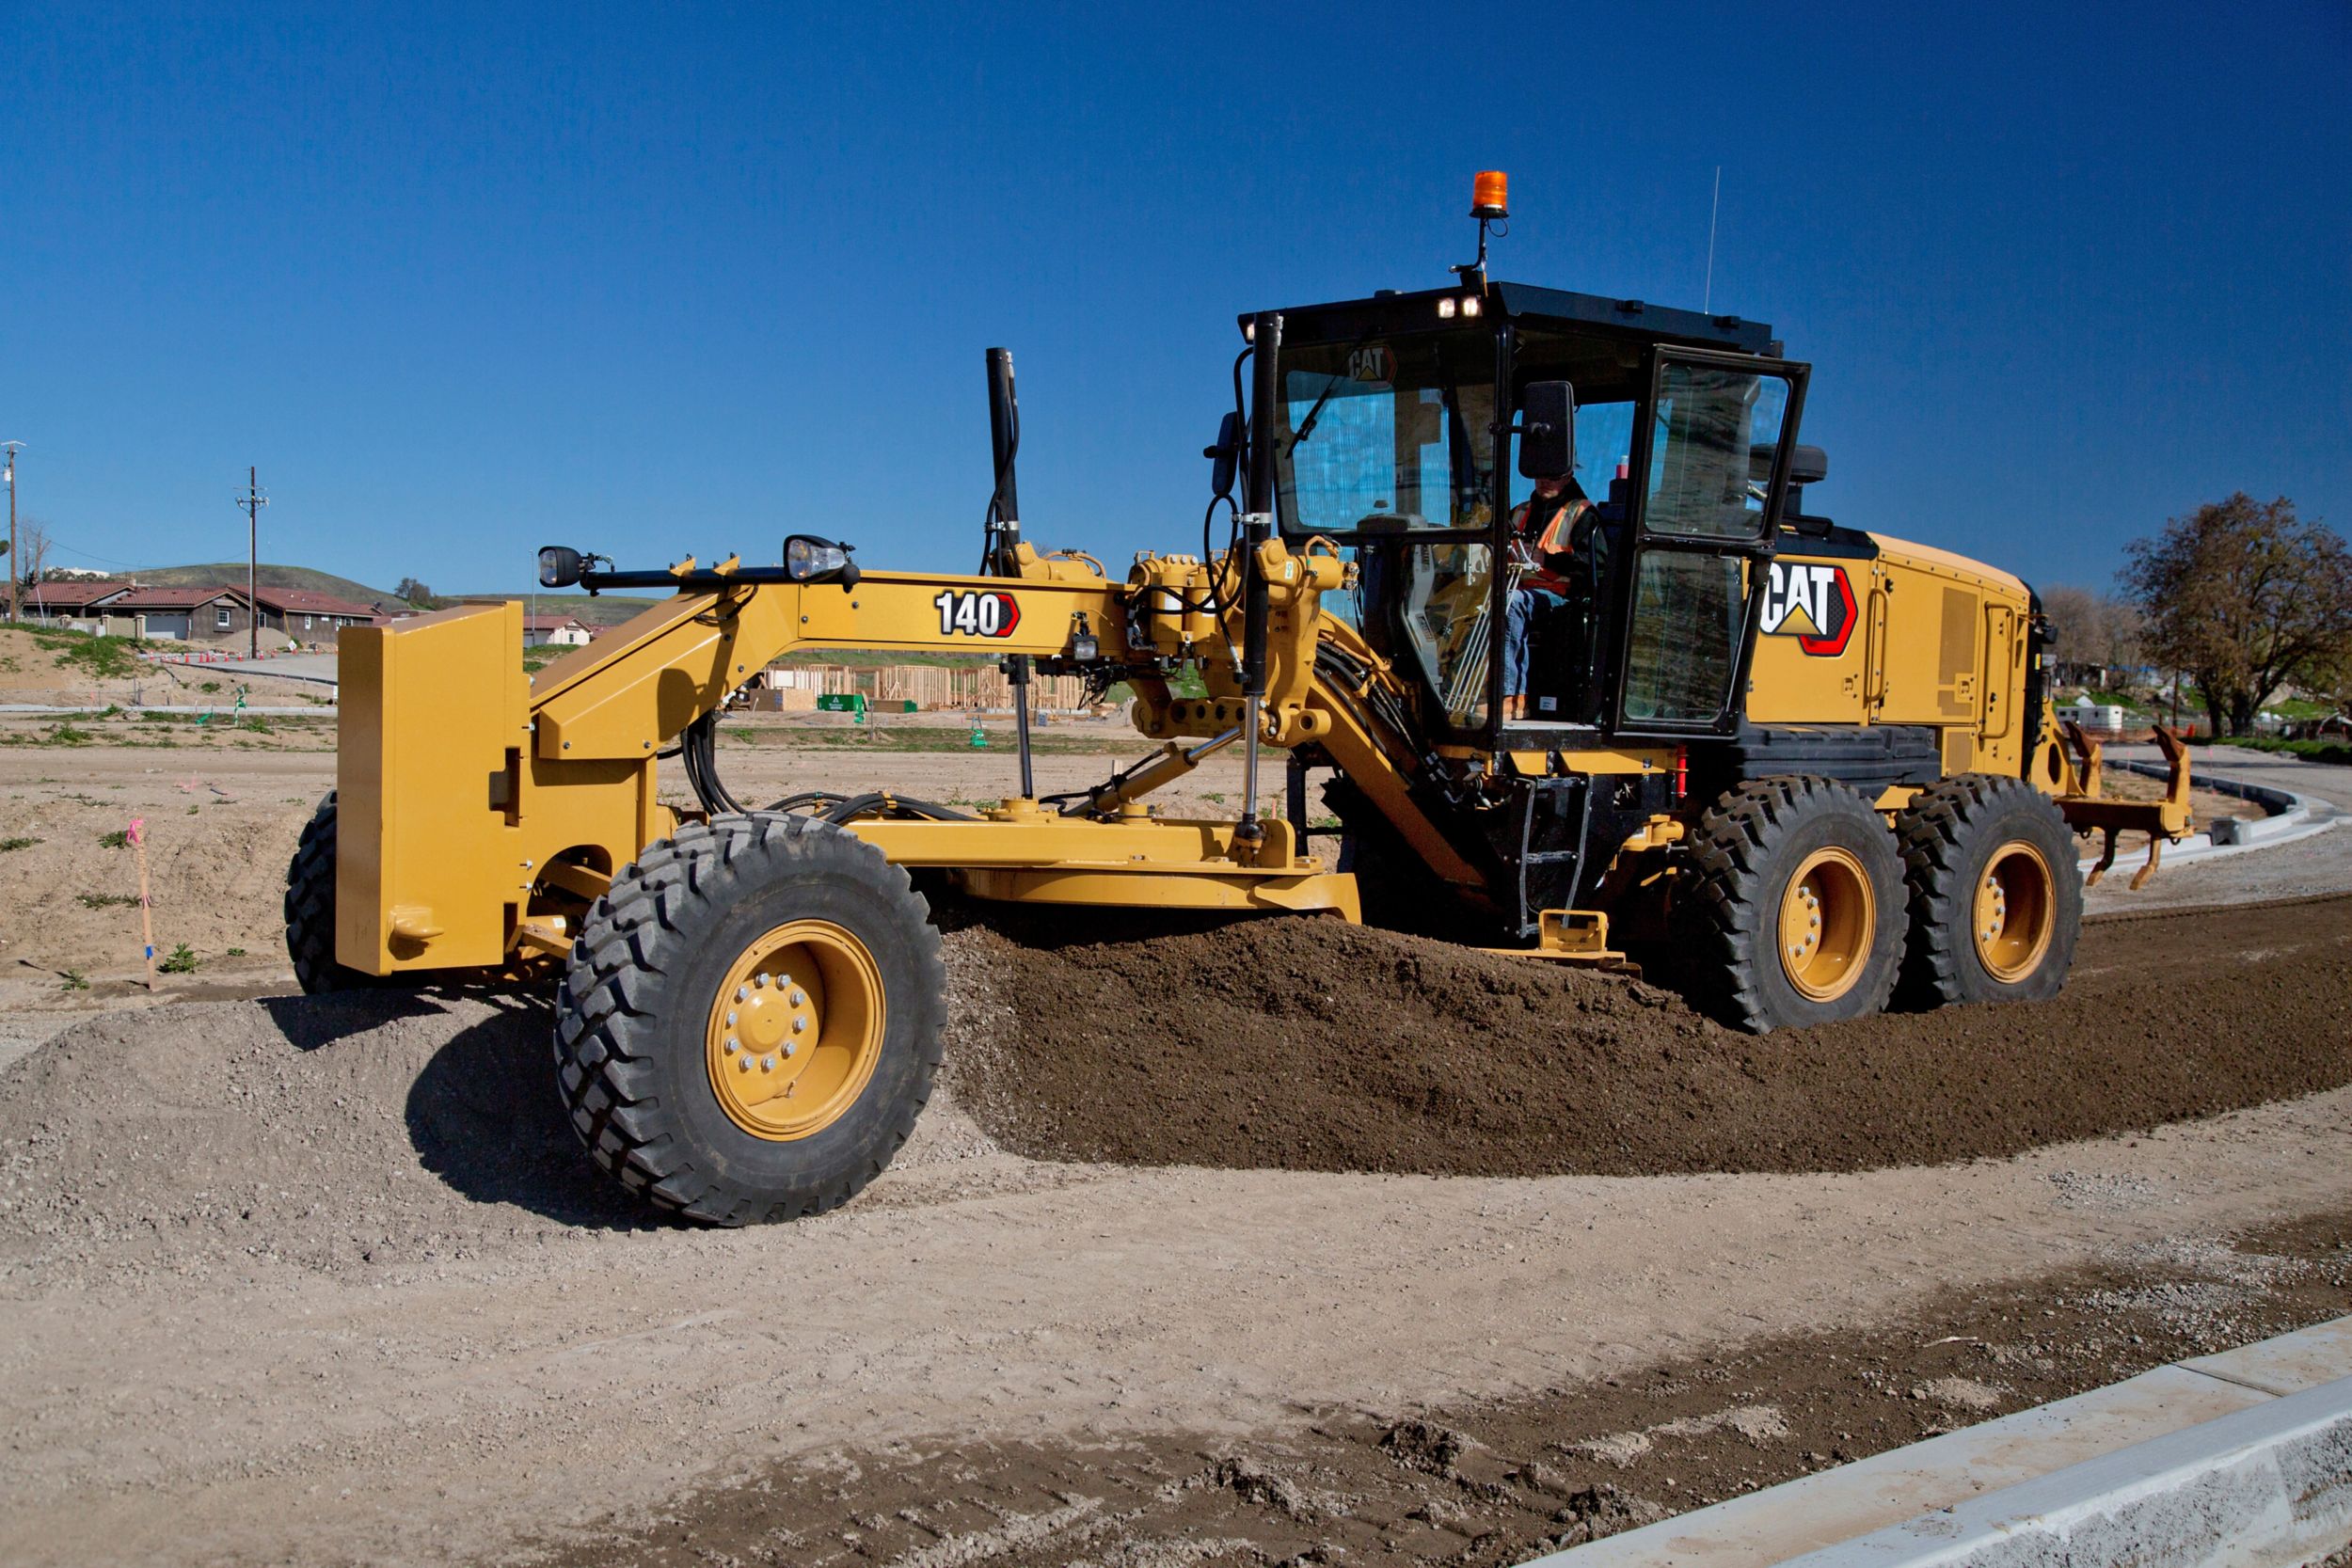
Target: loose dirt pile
[[327, 1132], [390, 1127], [1309, 1045]]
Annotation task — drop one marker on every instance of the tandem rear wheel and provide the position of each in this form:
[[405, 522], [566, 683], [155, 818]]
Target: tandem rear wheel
[[750, 1023], [1997, 903], [1795, 912]]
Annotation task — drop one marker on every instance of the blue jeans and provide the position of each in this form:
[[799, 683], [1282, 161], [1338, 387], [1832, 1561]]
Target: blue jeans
[[1520, 607]]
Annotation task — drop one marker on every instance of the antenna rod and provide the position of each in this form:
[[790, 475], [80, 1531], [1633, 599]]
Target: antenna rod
[[1707, 298]]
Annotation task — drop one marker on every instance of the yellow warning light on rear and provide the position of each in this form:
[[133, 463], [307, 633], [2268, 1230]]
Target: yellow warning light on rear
[[1490, 195]]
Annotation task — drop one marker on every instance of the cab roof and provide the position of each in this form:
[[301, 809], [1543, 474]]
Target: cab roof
[[1389, 311]]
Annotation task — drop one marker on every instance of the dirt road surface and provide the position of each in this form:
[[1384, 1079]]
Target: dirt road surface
[[328, 1280]]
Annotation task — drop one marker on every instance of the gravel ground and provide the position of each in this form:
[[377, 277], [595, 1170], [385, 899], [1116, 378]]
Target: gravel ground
[[325, 1281]]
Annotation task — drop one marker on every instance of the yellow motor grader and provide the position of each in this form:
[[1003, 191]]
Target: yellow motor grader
[[1814, 768]]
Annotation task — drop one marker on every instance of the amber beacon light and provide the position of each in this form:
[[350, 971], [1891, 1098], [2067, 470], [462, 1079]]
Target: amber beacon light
[[1490, 195]]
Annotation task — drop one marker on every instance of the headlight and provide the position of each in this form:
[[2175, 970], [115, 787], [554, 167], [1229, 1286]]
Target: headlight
[[558, 567], [809, 559]]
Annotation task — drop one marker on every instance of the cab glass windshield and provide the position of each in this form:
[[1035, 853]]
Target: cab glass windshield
[[1387, 435]]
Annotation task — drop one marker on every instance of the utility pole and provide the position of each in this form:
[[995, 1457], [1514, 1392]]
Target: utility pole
[[252, 500], [16, 589]]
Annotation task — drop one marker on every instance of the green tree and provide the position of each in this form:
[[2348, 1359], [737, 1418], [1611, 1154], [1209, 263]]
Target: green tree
[[416, 594], [2244, 597]]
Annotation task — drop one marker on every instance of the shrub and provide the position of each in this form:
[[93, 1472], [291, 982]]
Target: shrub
[[8, 844], [118, 839], [2336, 751], [102, 658], [182, 960], [106, 900]]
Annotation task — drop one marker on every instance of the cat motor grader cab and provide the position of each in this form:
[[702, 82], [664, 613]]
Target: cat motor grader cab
[[1810, 764]]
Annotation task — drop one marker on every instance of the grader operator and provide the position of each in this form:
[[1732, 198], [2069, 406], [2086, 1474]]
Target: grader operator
[[1810, 765]]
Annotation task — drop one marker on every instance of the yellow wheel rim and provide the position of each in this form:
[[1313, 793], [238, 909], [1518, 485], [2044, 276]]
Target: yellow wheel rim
[[1829, 918], [795, 1030], [2016, 907]]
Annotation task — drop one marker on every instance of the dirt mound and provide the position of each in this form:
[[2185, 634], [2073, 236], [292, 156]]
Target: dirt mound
[[324, 1132], [1309, 1045], [341, 1133]]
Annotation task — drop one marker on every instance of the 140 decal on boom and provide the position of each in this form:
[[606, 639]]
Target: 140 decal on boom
[[965, 613]]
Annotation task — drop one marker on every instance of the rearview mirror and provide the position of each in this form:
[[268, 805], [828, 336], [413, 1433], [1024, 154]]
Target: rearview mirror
[[1806, 464], [1547, 430], [558, 567], [1226, 455]]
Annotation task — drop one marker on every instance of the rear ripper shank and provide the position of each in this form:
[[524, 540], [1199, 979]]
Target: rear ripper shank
[[1626, 689]]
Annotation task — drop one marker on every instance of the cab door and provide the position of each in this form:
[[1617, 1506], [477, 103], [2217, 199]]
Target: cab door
[[1710, 476]]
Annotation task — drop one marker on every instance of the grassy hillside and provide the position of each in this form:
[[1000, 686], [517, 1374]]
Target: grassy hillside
[[231, 574], [605, 609]]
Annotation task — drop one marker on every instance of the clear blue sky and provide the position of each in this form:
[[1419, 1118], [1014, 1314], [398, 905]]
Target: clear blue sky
[[463, 280]]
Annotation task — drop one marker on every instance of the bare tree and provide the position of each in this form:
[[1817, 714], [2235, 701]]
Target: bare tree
[[2123, 635], [2244, 597], [32, 551], [2074, 616]]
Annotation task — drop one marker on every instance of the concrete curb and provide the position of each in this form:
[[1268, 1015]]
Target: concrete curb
[[2243, 1457], [2291, 817], [2268, 1484]]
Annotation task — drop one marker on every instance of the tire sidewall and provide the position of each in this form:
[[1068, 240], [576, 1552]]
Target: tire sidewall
[[2014, 817], [1865, 835], [743, 900]]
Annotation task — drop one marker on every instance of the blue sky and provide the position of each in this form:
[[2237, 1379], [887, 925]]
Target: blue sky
[[463, 280]]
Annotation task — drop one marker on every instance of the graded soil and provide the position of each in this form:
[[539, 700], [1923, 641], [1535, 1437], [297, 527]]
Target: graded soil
[[1309, 1045], [1485, 1483]]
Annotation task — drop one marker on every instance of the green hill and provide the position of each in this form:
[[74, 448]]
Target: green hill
[[604, 609], [231, 574]]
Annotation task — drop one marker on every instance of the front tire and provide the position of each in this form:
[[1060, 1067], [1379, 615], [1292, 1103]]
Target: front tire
[[750, 1023], [1794, 913], [1997, 903], [311, 909]]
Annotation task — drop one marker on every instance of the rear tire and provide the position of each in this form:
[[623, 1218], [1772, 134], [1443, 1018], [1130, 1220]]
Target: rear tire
[[1794, 914], [311, 909], [1997, 903], [817, 941]]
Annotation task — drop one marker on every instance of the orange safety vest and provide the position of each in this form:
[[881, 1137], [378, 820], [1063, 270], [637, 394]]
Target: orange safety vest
[[1554, 542]]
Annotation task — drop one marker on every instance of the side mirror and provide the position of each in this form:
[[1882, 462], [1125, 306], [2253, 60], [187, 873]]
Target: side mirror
[[1547, 430], [558, 567], [1226, 455]]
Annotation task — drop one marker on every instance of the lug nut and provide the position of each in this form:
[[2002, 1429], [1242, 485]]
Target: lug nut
[[730, 1019], [789, 1047], [767, 1064], [731, 1045], [741, 995], [760, 980], [799, 999], [798, 1025]]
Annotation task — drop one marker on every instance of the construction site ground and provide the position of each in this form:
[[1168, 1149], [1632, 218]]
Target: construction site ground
[[1253, 1243]]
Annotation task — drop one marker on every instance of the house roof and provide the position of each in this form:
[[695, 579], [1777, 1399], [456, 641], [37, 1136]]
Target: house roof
[[549, 623], [172, 598], [308, 601], [70, 593]]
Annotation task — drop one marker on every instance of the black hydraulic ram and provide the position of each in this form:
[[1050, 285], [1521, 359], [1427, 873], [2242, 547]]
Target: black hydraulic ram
[[1266, 337], [1004, 536]]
